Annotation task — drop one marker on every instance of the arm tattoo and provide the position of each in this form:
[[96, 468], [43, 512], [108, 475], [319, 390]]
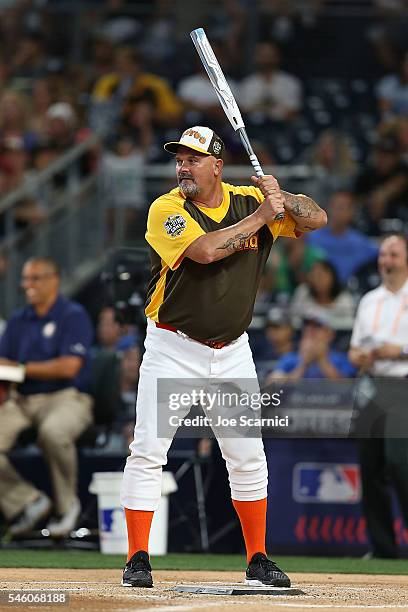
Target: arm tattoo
[[301, 206], [236, 243]]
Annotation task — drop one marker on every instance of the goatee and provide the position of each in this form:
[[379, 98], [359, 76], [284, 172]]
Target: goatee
[[189, 188]]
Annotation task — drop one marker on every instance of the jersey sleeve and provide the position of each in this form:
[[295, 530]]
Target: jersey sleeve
[[284, 227], [171, 230]]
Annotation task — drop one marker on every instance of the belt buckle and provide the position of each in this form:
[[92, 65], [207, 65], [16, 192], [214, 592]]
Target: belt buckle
[[216, 345]]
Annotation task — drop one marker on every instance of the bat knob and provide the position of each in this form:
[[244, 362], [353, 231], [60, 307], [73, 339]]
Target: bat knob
[[279, 216]]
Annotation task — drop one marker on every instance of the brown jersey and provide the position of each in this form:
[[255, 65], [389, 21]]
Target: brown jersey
[[206, 301]]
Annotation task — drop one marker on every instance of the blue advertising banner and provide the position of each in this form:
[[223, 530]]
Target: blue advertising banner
[[314, 498]]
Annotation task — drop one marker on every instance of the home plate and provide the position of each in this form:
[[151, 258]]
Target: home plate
[[235, 589]]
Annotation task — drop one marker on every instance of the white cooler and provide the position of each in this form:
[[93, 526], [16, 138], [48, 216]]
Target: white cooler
[[111, 516]]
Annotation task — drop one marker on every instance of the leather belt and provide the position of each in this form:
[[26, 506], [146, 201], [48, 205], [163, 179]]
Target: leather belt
[[211, 343]]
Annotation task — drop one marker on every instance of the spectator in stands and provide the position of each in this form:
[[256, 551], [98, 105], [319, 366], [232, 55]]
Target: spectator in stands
[[15, 162], [270, 93], [379, 348], [382, 186], [48, 342], [324, 291], [5, 172], [30, 58], [15, 157], [345, 247], [201, 103], [389, 32], [109, 329], [60, 127], [402, 132], [130, 80], [123, 187], [14, 118], [160, 38], [102, 58], [4, 69], [275, 340], [392, 91], [129, 377], [396, 128], [119, 23], [43, 96], [137, 123], [288, 266], [314, 358], [112, 333], [279, 332], [62, 132], [229, 24], [332, 160]]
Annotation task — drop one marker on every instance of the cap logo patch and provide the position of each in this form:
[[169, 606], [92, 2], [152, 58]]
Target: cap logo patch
[[216, 147], [175, 225], [201, 139]]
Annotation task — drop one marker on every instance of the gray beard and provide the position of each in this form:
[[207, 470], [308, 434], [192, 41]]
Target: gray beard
[[189, 188]]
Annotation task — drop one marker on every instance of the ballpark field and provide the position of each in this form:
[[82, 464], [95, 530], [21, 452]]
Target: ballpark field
[[92, 582]]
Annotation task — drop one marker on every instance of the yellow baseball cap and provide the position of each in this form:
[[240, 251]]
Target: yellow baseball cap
[[201, 139]]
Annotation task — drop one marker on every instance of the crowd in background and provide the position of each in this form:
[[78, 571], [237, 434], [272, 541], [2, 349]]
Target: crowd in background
[[310, 95], [130, 75]]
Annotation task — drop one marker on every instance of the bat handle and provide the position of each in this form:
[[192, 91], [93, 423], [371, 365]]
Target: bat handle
[[256, 165], [254, 161], [259, 172]]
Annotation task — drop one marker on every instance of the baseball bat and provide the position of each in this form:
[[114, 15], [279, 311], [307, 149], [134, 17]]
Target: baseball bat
[[225, 96]]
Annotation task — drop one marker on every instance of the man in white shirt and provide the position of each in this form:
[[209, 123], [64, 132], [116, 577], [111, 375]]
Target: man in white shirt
[[198, 95], [270, 93], [379, 346]]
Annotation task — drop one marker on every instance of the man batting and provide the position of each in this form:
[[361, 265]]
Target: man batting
[[209, 243]]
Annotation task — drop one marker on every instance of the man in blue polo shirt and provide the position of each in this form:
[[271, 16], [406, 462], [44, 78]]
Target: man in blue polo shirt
[[345, 247], [49, 341]]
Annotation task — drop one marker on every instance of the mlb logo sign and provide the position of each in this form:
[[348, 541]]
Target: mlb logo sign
[[326, 483]]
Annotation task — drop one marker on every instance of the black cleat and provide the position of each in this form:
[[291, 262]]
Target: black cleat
[[138, 571], [263, 571]]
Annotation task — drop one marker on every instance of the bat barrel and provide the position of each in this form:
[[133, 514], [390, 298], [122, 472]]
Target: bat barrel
[[224, 94]]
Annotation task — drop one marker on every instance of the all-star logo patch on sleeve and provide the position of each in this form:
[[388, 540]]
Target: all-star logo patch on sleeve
[[170, 228], [175, 225]]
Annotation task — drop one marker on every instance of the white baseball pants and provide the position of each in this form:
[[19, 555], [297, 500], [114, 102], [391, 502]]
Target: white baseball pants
[[175, 356]]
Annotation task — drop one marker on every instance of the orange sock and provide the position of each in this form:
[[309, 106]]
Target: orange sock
[[138, 524], [252, 516]]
